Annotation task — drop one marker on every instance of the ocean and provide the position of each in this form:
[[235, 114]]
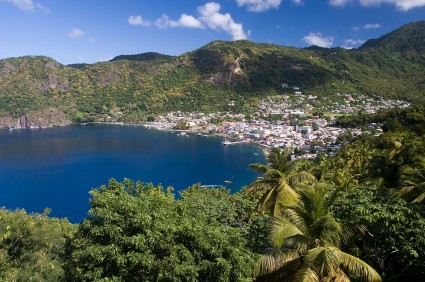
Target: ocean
[[56, 167]]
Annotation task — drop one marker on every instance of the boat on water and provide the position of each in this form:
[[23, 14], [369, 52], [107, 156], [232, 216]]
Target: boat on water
[[227, 142], [227, 181]]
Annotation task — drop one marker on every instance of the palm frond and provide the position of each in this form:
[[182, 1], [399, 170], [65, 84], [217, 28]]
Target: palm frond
[[282, 229], [306, 274], [296, 179], [355, 267], [274, 264], [258, 167]]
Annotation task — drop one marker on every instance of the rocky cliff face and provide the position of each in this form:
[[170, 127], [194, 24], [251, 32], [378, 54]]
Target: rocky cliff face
[[36, 119]]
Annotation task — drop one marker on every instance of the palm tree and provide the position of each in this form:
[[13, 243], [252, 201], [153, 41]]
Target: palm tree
[[341, 179], [280, 176], [305, 244], [413, 181]]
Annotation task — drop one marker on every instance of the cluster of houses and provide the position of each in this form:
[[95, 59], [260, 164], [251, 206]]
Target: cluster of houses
[[299, 104], [295, 128]]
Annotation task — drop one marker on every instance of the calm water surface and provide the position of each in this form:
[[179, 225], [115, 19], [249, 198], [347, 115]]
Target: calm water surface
[[57, 167]]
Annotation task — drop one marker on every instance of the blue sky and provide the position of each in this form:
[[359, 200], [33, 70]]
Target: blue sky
[[88, 31]]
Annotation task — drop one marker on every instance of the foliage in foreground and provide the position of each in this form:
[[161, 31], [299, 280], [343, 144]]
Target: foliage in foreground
[[305, 238], [137, 232], [32, 246], [394, 243]]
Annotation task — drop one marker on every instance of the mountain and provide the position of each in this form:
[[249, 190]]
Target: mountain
[[409, 37], [219, 74], [150, 56]]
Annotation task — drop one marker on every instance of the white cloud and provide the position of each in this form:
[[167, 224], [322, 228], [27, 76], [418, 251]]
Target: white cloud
[[28, 5], [211, 17], [403, 5], [371, 26], [260, 5], [353, 42], [189, 21], [316, 38], [138, 20], [184, 21], [298, 2], [339, 3], [76, 33], [366, 26]]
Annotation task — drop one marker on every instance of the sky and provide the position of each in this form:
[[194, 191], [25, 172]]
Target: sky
[[89, 31]]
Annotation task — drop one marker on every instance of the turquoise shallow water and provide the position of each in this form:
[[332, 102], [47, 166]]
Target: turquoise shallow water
[[57, 167]]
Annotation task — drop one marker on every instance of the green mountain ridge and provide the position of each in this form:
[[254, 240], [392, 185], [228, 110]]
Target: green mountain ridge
[[149, 56], [409, 36], [130, 87]]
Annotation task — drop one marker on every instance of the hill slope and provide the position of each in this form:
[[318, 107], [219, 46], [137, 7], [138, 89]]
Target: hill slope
[[207, 79]]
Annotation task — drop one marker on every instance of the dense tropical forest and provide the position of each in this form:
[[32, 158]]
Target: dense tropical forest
[[358, 215], [131, 87]]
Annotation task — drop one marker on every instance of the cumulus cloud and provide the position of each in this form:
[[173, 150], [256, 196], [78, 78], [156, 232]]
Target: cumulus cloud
[[260, 5], [211, 17], [138, 20], [184, 21], [402, 5], [316, 38], [28, 5], [189, 21], [76, 33], [298, 2]]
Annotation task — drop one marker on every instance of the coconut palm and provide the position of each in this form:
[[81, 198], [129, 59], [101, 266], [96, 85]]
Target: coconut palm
[[413, 181], [280, 176], [305, 244], [342, 179]]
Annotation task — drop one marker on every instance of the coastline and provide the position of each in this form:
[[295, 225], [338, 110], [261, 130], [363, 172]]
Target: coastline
[[197, 131]]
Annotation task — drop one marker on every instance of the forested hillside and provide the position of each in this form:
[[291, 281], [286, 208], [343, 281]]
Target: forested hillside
[[130, 87]]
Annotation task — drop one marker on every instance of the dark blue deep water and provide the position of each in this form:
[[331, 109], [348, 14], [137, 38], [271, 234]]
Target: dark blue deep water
[[57, 167]]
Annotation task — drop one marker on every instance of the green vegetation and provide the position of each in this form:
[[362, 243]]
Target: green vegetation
[[137, 232], [358, 215], [409, 119], [32, 246], [129, 88], [326, 219], [306, 241]]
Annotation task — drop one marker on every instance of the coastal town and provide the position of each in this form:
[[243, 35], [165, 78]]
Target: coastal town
[[285, 121]]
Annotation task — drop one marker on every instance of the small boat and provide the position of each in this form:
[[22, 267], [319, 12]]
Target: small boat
[[226, 142], [227, 181]]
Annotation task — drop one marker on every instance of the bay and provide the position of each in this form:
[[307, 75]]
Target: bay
[[56, 167]]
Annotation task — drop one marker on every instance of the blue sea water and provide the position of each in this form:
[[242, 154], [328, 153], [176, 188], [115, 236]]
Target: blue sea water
[[57, 167]]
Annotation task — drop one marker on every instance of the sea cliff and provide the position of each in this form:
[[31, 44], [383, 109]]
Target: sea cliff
[[36, 119]]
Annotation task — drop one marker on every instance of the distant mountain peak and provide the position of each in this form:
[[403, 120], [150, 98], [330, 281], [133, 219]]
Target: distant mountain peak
[[409, 36]]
